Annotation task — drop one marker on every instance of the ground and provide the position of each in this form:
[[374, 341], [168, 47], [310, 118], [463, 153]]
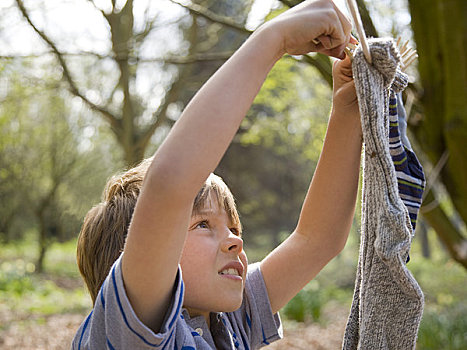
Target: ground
[[56, 332], [312, 336], [50, 333]]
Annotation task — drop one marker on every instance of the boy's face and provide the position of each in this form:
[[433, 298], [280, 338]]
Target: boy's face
[[213, 263]]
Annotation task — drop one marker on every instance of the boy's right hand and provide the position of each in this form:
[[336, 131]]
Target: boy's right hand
[[318, 20]]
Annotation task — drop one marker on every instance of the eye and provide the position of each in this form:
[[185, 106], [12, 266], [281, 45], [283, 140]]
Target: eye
[[202, 224], [235, 231]]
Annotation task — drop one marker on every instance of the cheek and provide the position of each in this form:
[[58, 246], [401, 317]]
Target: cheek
[[244, 260], [196, 253], [188, 254]]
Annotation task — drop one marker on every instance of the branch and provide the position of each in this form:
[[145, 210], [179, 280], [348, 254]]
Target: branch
[[160, 115], [139, 37], [213, 17], [66, 73], [368, 25], [451, 237], [65, 54], [197, 57], [172, 95], [97, 8], [321, 62], [146, 135], [288, 3]]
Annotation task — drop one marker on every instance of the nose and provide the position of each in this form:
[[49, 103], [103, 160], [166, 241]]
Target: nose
[[232, 243]]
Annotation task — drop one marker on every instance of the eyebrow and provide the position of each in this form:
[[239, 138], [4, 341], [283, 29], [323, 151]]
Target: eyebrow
[[207, 212], [202, 212]]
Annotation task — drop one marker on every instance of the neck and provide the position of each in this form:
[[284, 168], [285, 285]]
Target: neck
[[194, 313]]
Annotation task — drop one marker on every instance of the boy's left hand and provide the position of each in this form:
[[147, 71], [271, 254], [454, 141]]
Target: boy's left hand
[[345, 100]]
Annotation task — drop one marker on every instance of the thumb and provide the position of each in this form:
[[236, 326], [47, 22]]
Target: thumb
[[342, 71]]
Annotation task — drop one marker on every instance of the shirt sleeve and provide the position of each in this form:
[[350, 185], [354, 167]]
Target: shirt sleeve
[[255, 320], [113, 321]]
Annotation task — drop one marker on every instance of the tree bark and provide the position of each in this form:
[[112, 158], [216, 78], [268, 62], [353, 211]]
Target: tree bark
[[125, 123], [440, 31], [422, 233], [42, 241], [446, 230]]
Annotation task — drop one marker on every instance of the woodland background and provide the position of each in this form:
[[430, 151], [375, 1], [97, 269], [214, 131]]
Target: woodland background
[[91, 87]]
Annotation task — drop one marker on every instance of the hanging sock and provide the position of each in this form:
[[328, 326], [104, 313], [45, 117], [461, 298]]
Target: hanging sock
[[409, 172], [402, 119], [387, 304]]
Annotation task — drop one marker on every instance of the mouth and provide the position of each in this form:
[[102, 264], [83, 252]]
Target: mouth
[[232, 270]]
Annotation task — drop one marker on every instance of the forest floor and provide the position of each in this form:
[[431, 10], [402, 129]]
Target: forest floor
[[325, 335], [43, 311], [55, 332]]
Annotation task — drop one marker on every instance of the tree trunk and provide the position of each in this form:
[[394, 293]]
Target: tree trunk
[[422, 233], [447, 232], [5, 226], [42, 241], [440, 31]]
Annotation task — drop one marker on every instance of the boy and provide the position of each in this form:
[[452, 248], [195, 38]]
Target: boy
[[182, 279]]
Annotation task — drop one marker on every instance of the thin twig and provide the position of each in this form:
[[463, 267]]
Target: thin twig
[[66, 72], [214, 17]]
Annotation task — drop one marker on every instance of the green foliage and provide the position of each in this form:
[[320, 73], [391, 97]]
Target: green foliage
[[271, 162], [307, 304], [444, 322], [23, 292], [333, 285], [443, 329], [61, 260], [53, 165], [290, 112], [15, 277]]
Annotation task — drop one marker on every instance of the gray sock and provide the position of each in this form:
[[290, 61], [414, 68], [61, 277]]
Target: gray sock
[[388, 303]]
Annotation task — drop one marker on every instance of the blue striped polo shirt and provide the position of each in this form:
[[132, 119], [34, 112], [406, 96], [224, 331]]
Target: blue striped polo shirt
[[112, 324]]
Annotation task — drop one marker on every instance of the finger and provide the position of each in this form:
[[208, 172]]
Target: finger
[[344, 64], [347, 62], [337, 52], [343, 69], [339, 36], [345, 21], [333, 44], [353, 40], [346, 26], [346, 67], [326, 41]]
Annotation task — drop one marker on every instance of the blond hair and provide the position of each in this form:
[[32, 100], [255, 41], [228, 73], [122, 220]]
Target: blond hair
[[215, 188], [105, 227]]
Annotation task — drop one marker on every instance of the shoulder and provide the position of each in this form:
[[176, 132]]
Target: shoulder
[[113, 320], [254, 319]]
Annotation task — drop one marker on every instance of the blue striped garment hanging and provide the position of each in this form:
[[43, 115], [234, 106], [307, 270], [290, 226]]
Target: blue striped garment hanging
[[410, 177]]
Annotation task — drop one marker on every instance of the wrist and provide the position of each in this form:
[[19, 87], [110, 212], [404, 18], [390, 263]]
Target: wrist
[[269, 40], [348, 121]]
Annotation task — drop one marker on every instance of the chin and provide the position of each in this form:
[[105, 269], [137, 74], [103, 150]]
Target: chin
[[227, 305], [233, 304], [233, 307]]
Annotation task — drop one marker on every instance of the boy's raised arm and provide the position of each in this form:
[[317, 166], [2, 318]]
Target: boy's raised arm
[[329, 206], [198, 141]]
